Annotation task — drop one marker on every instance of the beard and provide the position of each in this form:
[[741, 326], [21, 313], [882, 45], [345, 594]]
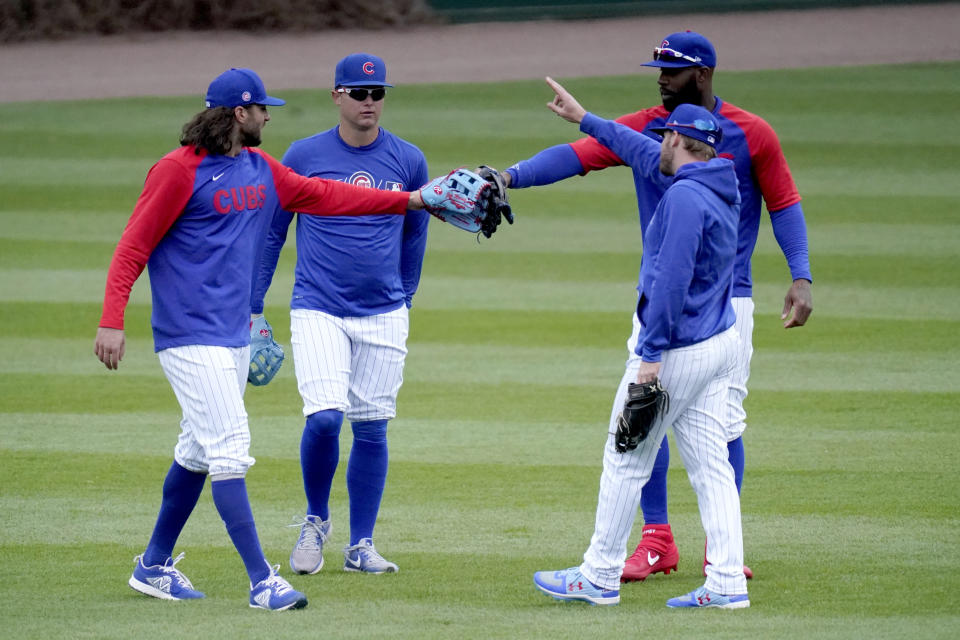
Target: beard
[[250, 138], [687, 94], [666, 160]]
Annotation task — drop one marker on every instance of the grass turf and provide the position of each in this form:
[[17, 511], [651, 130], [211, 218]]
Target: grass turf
[[850, 502]]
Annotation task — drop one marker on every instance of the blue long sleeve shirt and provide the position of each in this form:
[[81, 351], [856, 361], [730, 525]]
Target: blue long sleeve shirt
[[359, 266]]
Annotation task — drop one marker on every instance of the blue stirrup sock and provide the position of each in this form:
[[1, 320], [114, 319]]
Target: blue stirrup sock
[[366, 476], [319, 456], [181, 490], [653, 497], [230, 498], [737, 460]]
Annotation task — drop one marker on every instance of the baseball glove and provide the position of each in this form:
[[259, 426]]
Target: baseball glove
[[457, 198], [494, 201], [266, 355], [643, 404]]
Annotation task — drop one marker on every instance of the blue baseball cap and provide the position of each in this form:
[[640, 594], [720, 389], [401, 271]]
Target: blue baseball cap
[[238, 88], [694, 122], [683, 49], [361, 70]]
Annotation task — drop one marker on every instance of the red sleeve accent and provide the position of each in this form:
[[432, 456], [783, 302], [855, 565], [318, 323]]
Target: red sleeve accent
[[323, 197], [594, 156], [766, 157], [166, 191]]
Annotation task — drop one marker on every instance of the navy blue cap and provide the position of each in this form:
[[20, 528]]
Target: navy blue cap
[[683, 49], [694, 122], [361, 70], [238, 88]]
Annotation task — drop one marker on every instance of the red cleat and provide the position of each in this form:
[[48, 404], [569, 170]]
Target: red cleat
[[656, 553], [747, 571]]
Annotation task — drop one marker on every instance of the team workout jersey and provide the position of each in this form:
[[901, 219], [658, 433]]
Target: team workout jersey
[[198, 226], [352, 267], [761, 168]]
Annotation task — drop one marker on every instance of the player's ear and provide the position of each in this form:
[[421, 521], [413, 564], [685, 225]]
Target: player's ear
[[704, 76]]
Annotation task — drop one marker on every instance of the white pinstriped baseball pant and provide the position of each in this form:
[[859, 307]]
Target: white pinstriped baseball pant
[[352, 364], [736, 419], [209, 383], [696, 377]]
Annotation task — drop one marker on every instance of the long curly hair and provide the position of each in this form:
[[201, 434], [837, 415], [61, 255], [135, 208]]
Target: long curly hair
[[210, 129]]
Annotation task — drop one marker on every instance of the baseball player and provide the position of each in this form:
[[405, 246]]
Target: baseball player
[[688, 341], [355, 280], [199, 226], [686, 61]]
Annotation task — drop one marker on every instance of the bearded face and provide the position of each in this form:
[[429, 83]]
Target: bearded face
[[666, 154], [679, 86]]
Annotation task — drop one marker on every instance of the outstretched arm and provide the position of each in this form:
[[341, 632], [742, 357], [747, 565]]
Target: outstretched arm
[[636, 149]]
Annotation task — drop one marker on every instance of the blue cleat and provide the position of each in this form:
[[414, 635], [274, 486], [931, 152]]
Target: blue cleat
[[162, 581], [275, 594], [702, 598], [569, 584]]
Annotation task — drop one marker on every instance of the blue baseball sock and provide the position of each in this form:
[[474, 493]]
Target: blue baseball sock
[[653, 497], [230, 497], [319, 456], [737, 461], [181, 490], [366, 476]]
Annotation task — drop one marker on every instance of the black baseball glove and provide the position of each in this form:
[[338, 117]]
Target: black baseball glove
[[493, 201], [643, 404]]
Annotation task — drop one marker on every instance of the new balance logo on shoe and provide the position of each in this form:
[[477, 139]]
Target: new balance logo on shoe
[[161, 583], [263, 598]]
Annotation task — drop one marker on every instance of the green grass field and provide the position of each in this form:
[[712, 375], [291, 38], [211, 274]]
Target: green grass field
[[850, 500]]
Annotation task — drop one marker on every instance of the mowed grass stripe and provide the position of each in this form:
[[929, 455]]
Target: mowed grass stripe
[[491, 401], [813, 429], [857, 333], [932, 264]]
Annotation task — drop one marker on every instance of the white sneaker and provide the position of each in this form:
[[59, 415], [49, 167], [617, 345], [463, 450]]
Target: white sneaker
[[307, 554], [364, 558]]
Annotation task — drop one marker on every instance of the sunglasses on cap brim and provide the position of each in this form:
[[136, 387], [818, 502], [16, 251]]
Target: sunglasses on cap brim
[[672, 55], [360, 93]]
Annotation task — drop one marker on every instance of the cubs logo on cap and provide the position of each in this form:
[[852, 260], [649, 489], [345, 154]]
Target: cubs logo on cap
[[237, 88], [683, 49], [361, 70]]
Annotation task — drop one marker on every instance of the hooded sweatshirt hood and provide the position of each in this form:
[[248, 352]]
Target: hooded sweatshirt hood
[[718, 175]]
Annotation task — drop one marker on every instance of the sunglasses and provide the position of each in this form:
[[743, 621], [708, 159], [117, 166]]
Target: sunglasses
[[700, 125], [360, 93], [672, 55]]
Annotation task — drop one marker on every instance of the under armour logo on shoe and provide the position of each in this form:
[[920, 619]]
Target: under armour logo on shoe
[[578, 586], [705, 598]]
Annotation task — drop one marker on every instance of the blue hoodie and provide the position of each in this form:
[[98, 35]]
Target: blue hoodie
[[689, 246]]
